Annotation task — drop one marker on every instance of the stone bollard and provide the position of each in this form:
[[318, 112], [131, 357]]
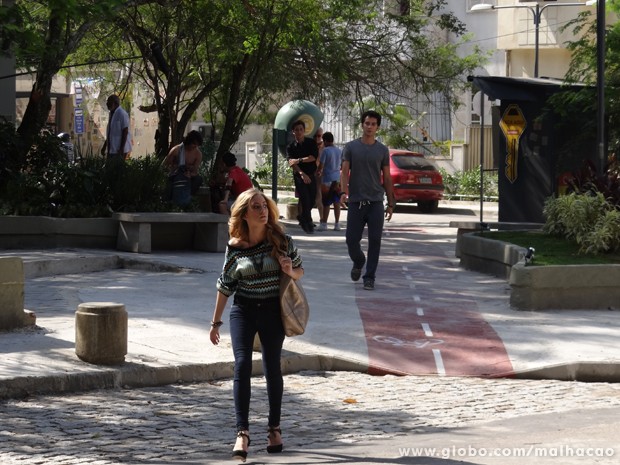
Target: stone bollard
[[12, 313], [101, 333]]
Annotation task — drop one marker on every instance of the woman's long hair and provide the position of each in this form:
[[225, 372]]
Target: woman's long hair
[[238, 227]]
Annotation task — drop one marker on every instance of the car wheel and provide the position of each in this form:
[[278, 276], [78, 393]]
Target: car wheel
[[428, 206]]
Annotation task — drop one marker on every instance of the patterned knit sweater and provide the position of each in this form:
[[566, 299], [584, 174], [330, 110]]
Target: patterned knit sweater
[[253, 273]]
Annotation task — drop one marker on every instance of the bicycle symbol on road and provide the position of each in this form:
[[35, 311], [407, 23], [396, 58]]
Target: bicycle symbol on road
[[418, 343]]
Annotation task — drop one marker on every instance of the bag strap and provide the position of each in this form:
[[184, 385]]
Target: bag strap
[[181, 154]]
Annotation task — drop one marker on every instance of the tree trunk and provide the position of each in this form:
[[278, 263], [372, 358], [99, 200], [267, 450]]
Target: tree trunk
[[37, 111]]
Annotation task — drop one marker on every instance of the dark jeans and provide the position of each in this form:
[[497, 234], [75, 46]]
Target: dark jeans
[[246, 319], [195, 182], [307, 198], [360, 214]]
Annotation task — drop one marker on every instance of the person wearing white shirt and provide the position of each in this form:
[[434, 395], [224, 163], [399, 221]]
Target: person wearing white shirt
[[117, 143]]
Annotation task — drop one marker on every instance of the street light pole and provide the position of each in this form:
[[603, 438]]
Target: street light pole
[[600, 86], [537, 12]]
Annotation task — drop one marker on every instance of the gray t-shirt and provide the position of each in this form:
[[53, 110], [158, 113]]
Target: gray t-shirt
[[366, 163]]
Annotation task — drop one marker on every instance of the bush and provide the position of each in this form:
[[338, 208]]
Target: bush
[[467, 183], [263, 171], [46, 184], [605, 236], [91, 188], [588, 219]]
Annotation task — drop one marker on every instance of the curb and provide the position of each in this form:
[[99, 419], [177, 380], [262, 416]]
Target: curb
[[90, 264], [134, 375]]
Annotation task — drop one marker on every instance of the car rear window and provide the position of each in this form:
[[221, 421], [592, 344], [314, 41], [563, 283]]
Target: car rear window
[[411, 162]]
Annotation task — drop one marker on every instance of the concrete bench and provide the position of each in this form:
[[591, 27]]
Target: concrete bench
[[144, 232], [473, 226]]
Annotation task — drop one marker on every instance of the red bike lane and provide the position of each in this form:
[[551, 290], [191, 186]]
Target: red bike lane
[[418, 321]]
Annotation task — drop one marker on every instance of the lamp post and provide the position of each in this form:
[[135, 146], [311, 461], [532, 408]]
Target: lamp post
[[600, 85], [537, 11]]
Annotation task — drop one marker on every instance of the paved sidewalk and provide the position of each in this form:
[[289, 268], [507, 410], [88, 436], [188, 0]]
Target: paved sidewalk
[[420, 289], [453, 328], [327, 418]]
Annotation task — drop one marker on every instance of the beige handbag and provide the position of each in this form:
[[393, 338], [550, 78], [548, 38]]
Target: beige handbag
[[293, 306]]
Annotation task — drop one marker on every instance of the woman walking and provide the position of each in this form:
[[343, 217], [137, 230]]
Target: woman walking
[[258, 252]]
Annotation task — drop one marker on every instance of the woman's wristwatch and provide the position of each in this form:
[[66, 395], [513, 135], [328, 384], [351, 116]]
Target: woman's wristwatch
[[216, 324]]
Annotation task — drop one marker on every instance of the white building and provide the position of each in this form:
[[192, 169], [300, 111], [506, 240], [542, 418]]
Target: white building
[[508, 33]]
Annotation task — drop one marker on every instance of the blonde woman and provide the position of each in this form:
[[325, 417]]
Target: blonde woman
[[258, 252]]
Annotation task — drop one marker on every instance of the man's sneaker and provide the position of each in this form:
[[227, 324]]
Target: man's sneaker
[[356, 273], [369, 284], [337, 227], [322, 227]]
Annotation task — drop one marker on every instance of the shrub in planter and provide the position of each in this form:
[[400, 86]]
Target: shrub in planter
[[588, 219]]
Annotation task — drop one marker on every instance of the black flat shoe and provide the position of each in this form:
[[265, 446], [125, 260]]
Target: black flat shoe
[[240, 454], [277, 447]]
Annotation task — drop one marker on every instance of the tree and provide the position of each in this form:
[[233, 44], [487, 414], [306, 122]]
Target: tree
[[237, 57], [42, 33], [583, 69]]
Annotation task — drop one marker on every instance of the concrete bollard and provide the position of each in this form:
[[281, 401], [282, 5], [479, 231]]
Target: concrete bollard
[[12, 313], [101, 333]]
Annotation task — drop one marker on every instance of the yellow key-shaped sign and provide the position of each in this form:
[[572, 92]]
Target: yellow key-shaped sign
[[513, 125]]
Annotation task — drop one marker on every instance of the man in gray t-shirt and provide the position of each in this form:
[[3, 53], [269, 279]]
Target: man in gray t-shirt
[[365, 161]]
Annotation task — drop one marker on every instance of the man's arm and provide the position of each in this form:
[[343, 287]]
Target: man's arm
[[124, 134], [344, 177], [388, 185], [169, 161]]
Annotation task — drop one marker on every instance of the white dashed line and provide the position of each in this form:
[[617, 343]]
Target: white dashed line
[[420, 311], [441, 370], [427, 330]]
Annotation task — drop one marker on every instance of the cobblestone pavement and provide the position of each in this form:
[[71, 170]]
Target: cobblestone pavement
[[322, 411]]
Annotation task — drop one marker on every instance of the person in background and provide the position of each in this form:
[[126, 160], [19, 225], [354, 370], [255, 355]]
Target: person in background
[[118, 143], [365, 161], [318, 202], [67, 146], [237, 181], [329, 170], [189, 149], [302, 154], [258, 253]]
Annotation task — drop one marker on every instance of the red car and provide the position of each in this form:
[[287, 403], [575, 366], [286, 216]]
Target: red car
[[416, 179]]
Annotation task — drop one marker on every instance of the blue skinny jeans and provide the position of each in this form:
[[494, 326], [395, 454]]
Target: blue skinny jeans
[[247, 319]]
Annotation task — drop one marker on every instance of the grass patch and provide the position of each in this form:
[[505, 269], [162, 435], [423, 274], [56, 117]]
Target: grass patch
[[551, 250]]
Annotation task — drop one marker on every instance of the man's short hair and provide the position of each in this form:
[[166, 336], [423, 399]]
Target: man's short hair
[[328, 137], [193, 137], [371, 114], [299, 122]]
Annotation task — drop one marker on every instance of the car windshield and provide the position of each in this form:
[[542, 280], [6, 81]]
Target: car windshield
[[412, 162]]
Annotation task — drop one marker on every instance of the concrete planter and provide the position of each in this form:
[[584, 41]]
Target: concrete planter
[[291, 211], [25, 232], [592, 287]]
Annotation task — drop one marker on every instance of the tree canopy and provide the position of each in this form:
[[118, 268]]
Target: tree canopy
[[583, 68], [235, 58]]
